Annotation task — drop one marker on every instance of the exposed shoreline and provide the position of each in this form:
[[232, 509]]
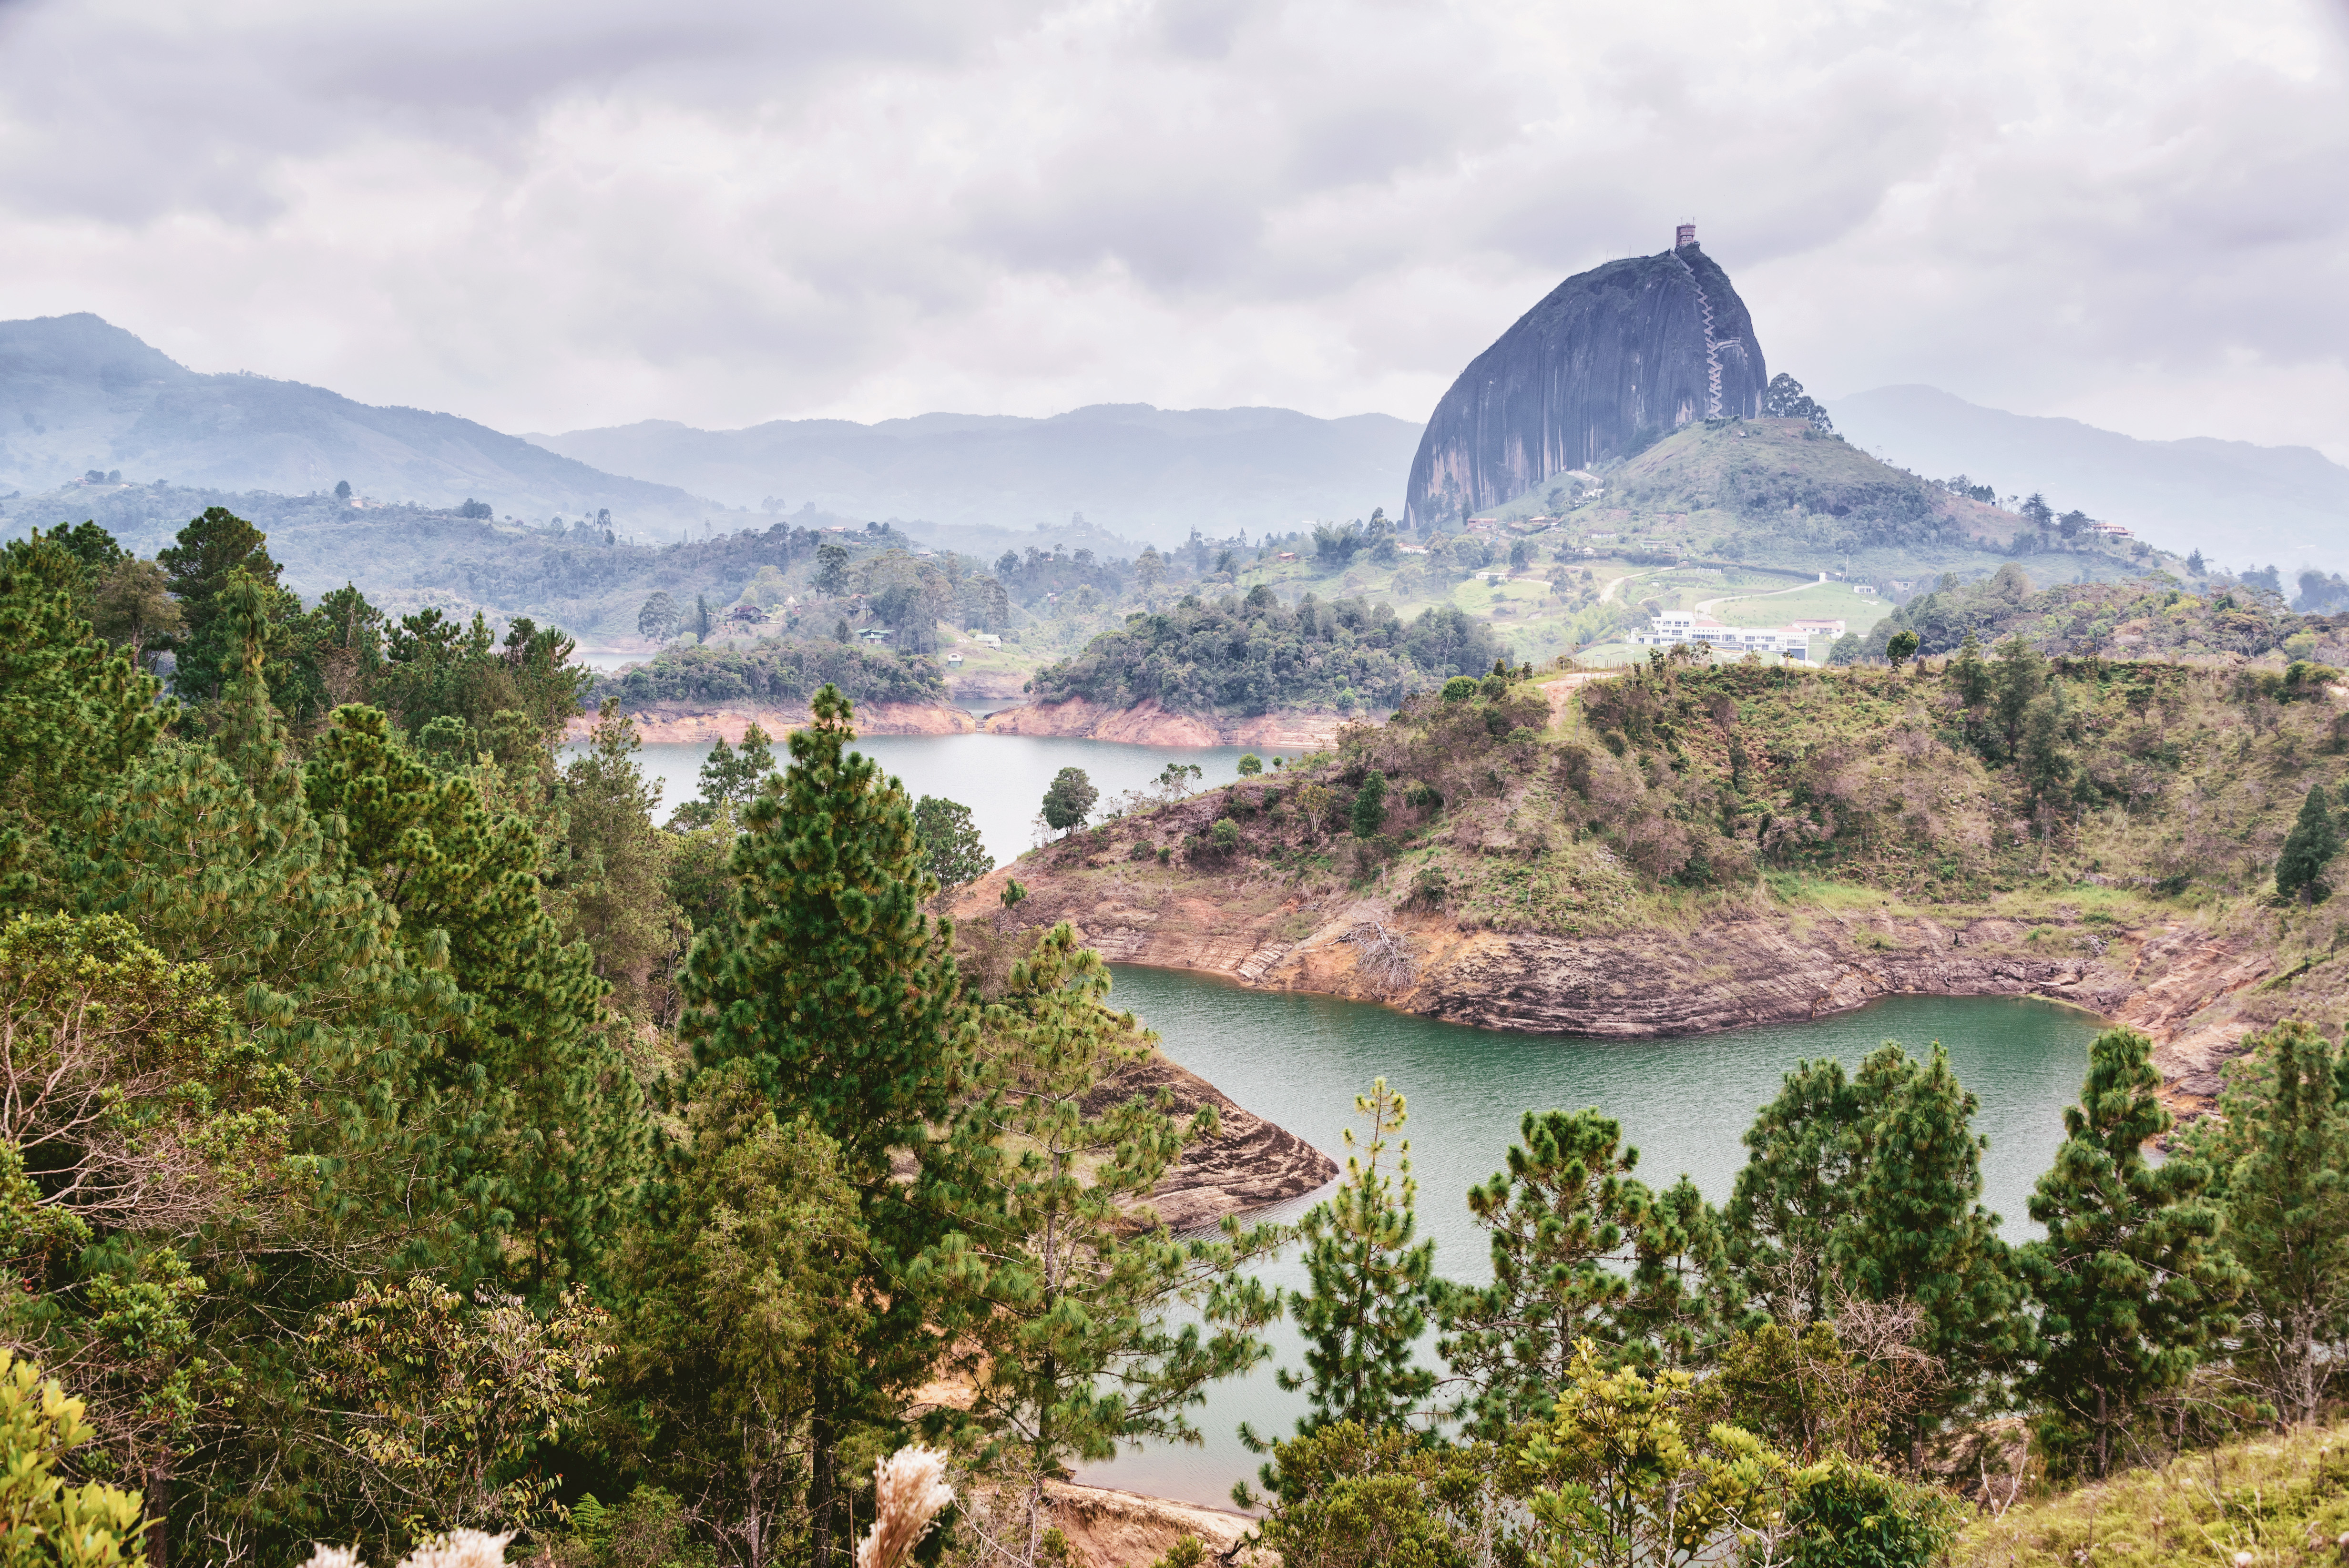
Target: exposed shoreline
[[692, 721], [1148, 724], [2193, 992]]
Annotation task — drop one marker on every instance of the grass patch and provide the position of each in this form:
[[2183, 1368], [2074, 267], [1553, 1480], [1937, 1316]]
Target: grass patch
[[2284, 1500]]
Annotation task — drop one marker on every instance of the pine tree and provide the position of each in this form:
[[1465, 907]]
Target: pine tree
[[528, 1057], [740, 1300], [2308, 848], [1561, 1218], [1682, 1300], [956, 853], [1918, 1231], [1371, 1285], [1077, 1354], [73, 715], [2280, 1156], [1968, 675], [2017, 678], [842, 998], [2129, 1280], [208, 552], [606, 885], [1794, 1190]]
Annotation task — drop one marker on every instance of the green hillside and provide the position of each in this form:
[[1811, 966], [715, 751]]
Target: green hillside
[[1779, 493]]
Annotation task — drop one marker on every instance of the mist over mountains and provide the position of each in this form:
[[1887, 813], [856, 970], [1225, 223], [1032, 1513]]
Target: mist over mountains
[[1141, 472], [2240, 504], [77, 392]]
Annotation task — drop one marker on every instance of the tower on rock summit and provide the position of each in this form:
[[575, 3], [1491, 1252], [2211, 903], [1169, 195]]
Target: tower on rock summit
[[1612, 359]]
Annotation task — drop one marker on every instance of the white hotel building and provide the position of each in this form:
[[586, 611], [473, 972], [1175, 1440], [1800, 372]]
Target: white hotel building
[[1669, 628]]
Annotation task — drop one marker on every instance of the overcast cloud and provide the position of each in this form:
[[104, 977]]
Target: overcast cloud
[[551, 215]]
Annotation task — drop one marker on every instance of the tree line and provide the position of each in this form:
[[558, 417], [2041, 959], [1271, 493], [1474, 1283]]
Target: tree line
[[406, 1135]]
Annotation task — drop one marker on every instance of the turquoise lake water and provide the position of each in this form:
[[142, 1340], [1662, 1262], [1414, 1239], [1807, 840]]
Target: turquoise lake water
[[1299, 1060]]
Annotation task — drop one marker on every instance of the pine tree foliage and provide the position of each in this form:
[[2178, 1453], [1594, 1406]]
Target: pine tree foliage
[[212, 551], [2130, 1281], [739, 1305], [606, 882], [1078, 1352], [73, 715], [2279, 1151], [838, 990], [1918, 1231], [2308, 848], [527, 1058], [1794, 1190], [840, 997], [1562, 1216], [1370, 1283]]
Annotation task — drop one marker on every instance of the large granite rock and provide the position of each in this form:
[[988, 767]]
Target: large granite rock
[[1614, 357]]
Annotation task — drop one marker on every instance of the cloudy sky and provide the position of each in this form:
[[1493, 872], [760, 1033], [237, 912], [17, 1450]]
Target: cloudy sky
[[551, 215]]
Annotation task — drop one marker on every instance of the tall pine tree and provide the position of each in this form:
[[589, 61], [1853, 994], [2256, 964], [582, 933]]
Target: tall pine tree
[[2279, 1153], [1562, 1218], [211, 551], [2129, 1280], [1074, 1352], [840, 995], [1371, 1285], [1795, 1190], [2308, 848], [1918, 1231]]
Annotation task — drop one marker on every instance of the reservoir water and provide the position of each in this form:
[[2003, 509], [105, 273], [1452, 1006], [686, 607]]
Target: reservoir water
[[1299, 1060], [1001, 778]]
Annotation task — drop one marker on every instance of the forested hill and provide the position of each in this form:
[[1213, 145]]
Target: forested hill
[[585, 573], [1255, 655]]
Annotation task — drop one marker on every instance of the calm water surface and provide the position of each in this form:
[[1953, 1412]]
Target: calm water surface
[[1299, 1060], [1001, 778]]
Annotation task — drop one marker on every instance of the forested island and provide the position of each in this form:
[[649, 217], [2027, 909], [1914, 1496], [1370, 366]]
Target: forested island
[[414, 1149]]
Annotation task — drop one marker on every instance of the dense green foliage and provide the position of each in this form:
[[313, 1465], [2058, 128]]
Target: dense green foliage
[[954, 853], [1255, 656], [1069, 799], [2131, 1281], [406, 1133], [778, 670]]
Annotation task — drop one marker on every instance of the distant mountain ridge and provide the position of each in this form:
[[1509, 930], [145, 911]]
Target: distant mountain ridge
[[1139, 471], [2239, 503], [77, 392]]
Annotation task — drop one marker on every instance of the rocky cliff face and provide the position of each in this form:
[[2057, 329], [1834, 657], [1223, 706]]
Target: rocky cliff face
[[1613, 357]]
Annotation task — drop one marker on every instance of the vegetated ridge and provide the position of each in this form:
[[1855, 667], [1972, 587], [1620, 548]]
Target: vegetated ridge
[[1689, 848], [1609, 360]]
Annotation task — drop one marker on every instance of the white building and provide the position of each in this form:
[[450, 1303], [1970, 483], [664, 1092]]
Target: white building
[[1674, 628]]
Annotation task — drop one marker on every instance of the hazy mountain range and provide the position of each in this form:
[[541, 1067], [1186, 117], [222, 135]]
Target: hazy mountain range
[[2240, 504], [77, 394], [1139, 471]]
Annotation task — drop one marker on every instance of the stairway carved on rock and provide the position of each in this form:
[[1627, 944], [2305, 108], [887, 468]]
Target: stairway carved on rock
[[1712, 349]]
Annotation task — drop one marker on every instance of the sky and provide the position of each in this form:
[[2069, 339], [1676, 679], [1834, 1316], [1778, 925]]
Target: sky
[[547, 216]]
